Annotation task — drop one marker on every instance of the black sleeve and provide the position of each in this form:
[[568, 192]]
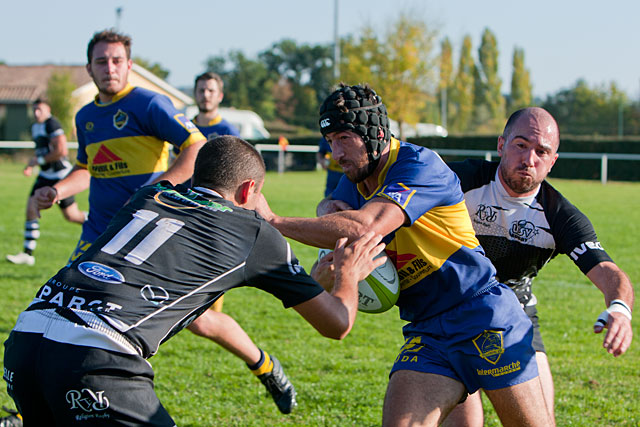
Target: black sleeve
[[473, 173], [273, 267], [572, 231], [52, 126]]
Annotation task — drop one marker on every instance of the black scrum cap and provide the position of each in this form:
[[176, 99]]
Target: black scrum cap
[[358, 109]]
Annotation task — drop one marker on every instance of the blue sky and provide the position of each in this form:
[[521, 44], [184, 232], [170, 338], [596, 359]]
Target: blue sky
[[563, 40]]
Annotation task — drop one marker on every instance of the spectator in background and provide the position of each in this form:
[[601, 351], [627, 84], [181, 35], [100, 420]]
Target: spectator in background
[[51, 156], [326, 161]]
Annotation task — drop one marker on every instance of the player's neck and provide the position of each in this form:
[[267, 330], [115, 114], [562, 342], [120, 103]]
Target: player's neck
[[204, 117], [371, 183]]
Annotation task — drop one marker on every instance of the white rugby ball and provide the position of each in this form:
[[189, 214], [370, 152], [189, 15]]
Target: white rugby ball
[[380, 290]]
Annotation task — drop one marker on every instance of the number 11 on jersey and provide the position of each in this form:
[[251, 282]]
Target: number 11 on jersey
[[165, 228]]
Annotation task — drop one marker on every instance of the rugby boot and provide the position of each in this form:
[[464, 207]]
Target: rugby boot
[[280, 388]]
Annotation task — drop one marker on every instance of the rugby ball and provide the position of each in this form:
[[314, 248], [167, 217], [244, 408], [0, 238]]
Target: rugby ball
[[380, 290]]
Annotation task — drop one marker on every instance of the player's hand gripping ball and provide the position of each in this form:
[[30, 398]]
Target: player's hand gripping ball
[[380, 290]]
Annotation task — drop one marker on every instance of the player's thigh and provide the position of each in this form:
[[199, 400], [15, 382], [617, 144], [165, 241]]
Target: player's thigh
[[521, 404], [21, 373], [469, 413], [101, 388], [419, 399]]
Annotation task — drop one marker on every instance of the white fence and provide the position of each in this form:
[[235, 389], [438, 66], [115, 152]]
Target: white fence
[[488, 155]]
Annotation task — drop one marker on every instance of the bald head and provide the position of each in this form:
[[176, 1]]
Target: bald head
[[533, 120], [528, 149]]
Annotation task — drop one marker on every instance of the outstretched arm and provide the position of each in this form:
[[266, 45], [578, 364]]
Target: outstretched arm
[[333, 314], [615, 285], [379, 215]]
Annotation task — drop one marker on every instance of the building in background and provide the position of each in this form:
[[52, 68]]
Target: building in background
[[21, 85]]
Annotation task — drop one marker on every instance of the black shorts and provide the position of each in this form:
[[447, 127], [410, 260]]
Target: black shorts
[[45, 182], [61, 384], [537, 343]]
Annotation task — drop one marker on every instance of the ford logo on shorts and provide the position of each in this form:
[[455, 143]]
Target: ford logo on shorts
[[100, 272]]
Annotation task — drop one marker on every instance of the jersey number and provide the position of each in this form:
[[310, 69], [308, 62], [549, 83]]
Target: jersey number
[[165, 228]]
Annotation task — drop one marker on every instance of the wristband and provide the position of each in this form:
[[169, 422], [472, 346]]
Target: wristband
[[616, 306], [620, 303], [55, 198], [41, 161]]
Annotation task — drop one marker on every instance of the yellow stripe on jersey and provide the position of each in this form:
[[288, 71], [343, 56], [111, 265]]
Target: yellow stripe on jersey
[[406, 202], [193, 138], [132, 155], [428, 243], [393, 155]]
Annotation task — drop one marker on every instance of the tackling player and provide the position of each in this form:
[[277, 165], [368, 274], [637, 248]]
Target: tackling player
[[121, 138], [522, 222], [77, 355]]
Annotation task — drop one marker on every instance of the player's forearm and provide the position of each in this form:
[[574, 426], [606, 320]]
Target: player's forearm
[[75, 182], [321, 232], [612, 282]]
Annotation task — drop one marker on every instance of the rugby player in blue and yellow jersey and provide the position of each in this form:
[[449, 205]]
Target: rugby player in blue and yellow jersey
[[208, 93], [121, 139], [465, 330]]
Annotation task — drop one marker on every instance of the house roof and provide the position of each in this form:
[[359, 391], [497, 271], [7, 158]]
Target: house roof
[[25, 83]]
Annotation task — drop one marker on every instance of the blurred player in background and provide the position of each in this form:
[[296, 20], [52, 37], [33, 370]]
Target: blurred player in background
[[51, 156], [465, 330], [209, 92], [84, 362], [522, 222]]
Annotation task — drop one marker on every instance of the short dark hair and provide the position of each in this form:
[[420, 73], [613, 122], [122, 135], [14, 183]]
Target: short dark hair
[[226, 161], [209, 76], [109, 36], [41, 100]]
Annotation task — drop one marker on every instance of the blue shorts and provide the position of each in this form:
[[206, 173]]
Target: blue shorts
[[485, 342]]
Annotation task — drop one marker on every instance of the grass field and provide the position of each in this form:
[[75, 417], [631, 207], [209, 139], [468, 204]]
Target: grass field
[[343, 383]]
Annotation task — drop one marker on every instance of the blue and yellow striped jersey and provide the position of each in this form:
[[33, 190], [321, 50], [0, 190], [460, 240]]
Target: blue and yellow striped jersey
[[439, 260], [124, 145], [218, 127]]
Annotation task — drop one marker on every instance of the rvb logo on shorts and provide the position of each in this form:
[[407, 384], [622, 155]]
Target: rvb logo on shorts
[[87, 400]]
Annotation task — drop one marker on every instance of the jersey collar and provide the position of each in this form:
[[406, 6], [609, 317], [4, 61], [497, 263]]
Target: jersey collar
[[217, 119], [207, 191], [394, 148], [118, 96]]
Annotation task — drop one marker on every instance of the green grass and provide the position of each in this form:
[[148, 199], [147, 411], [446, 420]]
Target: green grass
[[343, 383]]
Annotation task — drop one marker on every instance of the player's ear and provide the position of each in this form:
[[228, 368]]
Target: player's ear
[[501, 142], [245, 190]]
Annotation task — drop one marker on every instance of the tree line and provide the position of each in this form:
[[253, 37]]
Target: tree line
[[418, 77]]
